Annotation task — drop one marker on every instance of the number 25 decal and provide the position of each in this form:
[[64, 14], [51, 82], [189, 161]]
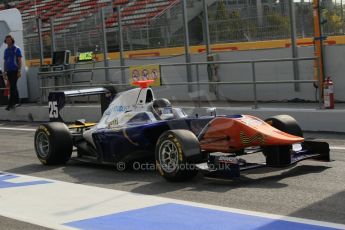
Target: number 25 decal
[[53, 109]]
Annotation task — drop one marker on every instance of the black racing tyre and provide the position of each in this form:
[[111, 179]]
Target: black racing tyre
[[53, 143], [285, 123], [280, 155], [176, 153]]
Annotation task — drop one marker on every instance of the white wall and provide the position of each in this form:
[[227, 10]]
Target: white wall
[[334, 66], [11, 23]]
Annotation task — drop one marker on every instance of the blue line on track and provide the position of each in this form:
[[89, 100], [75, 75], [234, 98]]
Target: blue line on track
[[4, 183], [172, 216]]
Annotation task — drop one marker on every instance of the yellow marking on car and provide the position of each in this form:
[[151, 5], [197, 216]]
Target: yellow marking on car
[[86, 125], [129, 139], [246, 140]]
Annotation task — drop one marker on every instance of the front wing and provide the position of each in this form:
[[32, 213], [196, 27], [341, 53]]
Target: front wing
[[228, 166]]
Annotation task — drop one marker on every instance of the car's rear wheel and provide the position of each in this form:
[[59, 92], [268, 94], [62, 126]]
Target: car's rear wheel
[[53, 143], [281, 155], [177, 151]]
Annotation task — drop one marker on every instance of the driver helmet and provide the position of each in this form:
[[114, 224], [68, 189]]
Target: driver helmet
[[163, 109]]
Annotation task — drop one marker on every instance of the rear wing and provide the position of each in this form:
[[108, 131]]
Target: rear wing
[[57, 99]]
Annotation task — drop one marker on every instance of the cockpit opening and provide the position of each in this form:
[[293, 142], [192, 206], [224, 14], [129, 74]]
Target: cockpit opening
[[149, 96]]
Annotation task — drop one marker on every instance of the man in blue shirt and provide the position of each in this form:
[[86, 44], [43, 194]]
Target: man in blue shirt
[[12, 69]]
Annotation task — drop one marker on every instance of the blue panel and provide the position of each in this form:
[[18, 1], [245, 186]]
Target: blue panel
[[117, 145], [184, 217], [5, 184]]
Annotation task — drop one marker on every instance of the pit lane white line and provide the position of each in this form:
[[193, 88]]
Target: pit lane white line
[[54, 204], [17, 129], [337, 147]]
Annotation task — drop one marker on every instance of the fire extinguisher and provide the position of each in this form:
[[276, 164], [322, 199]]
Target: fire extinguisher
[[328, 93]]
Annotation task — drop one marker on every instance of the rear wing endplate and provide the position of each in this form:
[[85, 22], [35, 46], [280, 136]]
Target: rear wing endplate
[[57, 99]]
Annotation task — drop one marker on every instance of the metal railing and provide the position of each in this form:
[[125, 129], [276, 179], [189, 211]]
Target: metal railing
[[198, 83]]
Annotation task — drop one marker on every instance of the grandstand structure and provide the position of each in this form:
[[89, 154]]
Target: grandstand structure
[[151, 24], [70, 15], [77, 23]]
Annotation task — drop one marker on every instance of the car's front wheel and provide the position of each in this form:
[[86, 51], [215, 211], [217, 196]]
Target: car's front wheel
[[177, 151], [281, 155], [53, 143]]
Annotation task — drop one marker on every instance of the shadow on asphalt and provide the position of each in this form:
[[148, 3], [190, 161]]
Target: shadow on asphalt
[[202, 184], [32, 168], [151, 183], [332, 205]]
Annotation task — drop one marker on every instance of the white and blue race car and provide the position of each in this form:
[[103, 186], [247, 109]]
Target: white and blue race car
[[136, 126]]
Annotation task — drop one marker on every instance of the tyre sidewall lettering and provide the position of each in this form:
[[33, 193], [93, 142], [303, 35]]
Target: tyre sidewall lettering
[[181, 141], [179, 148], [160, 170], [42, 160], [44, 129], [176, 142]]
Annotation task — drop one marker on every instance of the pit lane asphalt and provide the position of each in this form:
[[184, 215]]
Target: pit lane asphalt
[[312, 190]]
